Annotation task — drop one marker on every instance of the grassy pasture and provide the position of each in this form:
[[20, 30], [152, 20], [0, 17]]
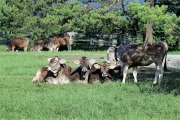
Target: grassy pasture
[[22, 99]]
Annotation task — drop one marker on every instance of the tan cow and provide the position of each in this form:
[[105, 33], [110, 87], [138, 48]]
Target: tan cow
[[18, 43], [55, 73], [62, 41]]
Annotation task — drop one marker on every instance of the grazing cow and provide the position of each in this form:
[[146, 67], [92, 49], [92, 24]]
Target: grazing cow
[[19, 43], [81, 73], [43, 44], [142, 54], [100, 73], [62, 41]]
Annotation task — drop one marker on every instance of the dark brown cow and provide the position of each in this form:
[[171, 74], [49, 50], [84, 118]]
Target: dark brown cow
[[19, 43], [100, 73], [81, 73], [43, 44], [133, 55], [62, 41]]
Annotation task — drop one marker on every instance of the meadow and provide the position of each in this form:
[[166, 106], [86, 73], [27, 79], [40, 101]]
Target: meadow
[[22, 99]]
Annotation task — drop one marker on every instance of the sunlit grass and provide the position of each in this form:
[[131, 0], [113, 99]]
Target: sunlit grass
[[22, 99]]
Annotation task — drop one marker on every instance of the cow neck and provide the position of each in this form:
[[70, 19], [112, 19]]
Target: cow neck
[[82, 74], [56, 74]]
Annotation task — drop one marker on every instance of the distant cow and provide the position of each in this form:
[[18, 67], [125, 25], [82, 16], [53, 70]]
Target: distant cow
[[62, 41], [41, 44], [111, 54], [99, 73], [142, 54], [81, 73], [19, 43]]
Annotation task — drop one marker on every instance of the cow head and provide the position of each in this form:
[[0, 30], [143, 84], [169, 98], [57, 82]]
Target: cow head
[[55, 64], [104, 68], [84, 63]]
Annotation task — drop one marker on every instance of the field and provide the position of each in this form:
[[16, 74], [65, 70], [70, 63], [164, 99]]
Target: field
[[22, 99]]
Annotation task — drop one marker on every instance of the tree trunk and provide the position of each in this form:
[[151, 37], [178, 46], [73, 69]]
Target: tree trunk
[[149, 29]]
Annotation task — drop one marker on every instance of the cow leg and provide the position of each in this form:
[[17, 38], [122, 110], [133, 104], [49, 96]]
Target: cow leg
[[25, 49], [158, 74], [135, 74], [125, 70], [13, 47]]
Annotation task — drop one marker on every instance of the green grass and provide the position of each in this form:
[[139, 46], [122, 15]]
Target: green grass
[[22, 99]]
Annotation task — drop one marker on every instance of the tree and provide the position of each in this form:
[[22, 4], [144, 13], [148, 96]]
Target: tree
[[162, 20]]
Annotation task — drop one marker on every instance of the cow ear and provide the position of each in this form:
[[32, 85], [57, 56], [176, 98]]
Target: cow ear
[[49, 59], [112, 66], [96, 66], [92, 61], [62, 61], [108, 61], [77, 62]]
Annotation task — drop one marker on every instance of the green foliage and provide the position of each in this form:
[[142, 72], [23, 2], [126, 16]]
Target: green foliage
[[162, 21]]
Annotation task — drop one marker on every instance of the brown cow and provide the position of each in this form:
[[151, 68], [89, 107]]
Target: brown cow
[[41, 74], [81, 73], [62, 41], [142, 54], [100, 73], [55, 73], [59, 69], [19, 43]]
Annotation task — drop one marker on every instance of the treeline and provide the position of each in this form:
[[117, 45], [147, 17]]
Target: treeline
[[38, 19]]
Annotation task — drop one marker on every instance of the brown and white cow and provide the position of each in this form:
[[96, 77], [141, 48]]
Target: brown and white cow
[[81, 73], [62, 41], [143, 54], [99, 73], [43, 44], [18, 43], [55, 73], [41, 74]]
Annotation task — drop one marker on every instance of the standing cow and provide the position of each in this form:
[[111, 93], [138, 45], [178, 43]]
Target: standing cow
[[62, 41], [142, 54], [18, 43]]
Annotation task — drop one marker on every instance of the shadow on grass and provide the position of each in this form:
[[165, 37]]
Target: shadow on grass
[[170, 83]]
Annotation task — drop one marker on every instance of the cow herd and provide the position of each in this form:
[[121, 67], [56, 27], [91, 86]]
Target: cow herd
[[51, 44], [119, 60]]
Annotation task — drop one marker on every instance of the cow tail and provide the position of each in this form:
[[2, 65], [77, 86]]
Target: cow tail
[[115, 53], [165, 63]]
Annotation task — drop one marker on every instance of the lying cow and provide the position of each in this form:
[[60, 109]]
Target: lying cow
[[19, 43], [56, 72], [81, 73], [41, 74], [59, 69], [142, 54], [99, 73]]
